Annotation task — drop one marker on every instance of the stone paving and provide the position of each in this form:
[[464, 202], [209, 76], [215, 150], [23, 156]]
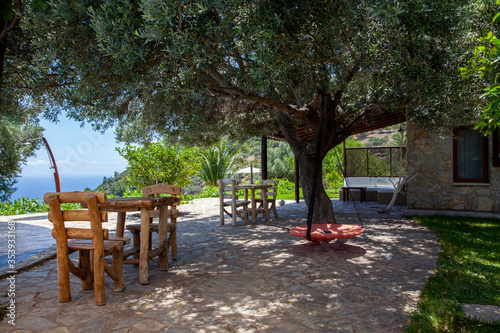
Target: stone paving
[[248, 278]]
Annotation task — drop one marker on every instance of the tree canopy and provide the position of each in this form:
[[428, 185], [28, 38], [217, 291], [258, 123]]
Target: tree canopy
[[17, 120], [14, 153], [484, 64], [159, 162], [195, 70]]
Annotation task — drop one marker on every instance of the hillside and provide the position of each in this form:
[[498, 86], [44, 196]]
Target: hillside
[[388, 136], [116, 185]]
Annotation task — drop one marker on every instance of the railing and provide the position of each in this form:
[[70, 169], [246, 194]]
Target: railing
[[374, 161]]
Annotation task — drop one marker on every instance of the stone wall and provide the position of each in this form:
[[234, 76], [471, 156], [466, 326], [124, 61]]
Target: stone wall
[[430, 158]]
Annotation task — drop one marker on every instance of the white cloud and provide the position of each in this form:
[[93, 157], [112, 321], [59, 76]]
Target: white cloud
[[38, 162]]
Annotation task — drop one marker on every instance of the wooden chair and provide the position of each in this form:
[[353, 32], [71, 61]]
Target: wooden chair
[[227, 190], [271, 192], [135, 229], [95, 240]]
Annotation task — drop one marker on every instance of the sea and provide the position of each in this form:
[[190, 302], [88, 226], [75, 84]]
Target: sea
[[36, 186]]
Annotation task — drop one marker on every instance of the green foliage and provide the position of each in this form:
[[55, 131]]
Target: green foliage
[[131, 193], [219, 161], [209, 192], [14, 153], [159, 163], [280, 161], [25, 205], [154, 66], [484, 64], [195, 187], [467, 272], [333, 164], [378, 142], [285, 186], [116, 186]]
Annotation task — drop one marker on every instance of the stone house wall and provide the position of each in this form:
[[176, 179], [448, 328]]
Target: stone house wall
[[430, 157]]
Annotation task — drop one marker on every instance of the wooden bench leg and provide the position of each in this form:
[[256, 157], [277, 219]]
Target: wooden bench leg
[[174, 243], [99, 262], [63, 285], [136, 239], [162, 239], [117, 268], [84, 266]]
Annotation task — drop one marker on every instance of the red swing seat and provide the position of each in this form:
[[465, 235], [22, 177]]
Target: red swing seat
[[327, 232]]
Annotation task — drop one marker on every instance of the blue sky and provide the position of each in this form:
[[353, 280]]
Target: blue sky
[[78, 151]]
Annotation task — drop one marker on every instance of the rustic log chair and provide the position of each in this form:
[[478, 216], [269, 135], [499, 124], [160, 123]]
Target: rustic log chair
[[135, 229], [95, 240], [271, 192], [227, 190]]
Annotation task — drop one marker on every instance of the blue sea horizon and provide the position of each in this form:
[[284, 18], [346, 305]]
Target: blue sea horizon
[[36, 186]]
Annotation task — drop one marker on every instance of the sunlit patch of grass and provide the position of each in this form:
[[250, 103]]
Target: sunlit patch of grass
[[468, 271], [332, 194]]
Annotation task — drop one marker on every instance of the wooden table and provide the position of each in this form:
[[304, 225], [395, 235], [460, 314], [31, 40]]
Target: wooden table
[[144, 205], [346, 189], [253, 188]]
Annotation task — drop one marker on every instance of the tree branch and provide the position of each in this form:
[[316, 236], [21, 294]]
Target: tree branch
[[291, 110], [288, 129], [348, 42], [12, 24], [239, 59]]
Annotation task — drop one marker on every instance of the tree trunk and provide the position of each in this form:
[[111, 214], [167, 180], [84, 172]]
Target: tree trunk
[[323, 115], [323, 208], [3, 48]]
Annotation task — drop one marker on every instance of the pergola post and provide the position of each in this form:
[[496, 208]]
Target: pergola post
[[297, 193], [263, 163]]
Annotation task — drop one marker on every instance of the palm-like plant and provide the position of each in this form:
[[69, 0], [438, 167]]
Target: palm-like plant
[[218, 161]]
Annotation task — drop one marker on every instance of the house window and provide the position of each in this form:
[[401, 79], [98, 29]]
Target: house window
[[470, 156]]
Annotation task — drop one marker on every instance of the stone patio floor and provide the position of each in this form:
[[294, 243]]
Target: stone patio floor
[[248, 278]]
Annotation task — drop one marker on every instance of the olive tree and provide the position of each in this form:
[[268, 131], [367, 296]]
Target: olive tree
[[14, 153], [17, 123], [197, 70]]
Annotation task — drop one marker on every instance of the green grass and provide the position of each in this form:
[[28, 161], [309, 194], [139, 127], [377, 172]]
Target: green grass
[[468, 271], [291, 196]]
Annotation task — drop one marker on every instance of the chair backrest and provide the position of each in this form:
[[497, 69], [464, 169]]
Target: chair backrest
[[92, 214], [227, 189], [157, 189], [272, 191]]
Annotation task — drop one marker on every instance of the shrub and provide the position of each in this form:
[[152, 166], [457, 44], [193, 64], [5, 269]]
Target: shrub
[[209, 192], [25, 205], [285, 186]]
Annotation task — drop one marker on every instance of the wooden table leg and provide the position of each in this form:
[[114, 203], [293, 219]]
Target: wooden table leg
[[162, 238], [144, 251], [173, 246], [120, 224], [245, 208], [254, 206], [264, 203]]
